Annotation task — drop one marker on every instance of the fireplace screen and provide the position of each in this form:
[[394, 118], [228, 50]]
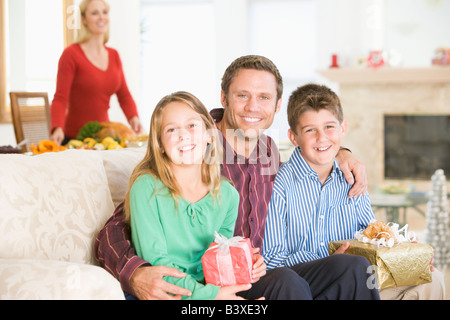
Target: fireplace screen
[[415, 146]]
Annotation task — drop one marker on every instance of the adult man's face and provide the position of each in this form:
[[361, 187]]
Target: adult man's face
[[252, 103]]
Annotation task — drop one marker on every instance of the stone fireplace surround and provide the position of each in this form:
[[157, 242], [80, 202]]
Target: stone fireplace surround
[[369, 94]]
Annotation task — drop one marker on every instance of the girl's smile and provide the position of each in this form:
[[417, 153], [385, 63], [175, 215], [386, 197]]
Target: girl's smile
[[186, 148]]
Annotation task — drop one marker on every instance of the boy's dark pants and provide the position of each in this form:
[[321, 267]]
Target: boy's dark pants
[[337, 277]]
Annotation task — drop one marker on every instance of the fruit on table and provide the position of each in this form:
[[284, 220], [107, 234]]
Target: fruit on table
[[110, 144], [90, 142], [46, 146], [107, 143], [74, 144]]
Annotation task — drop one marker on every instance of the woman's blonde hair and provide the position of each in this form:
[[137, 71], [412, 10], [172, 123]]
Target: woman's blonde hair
[[84, 34], [157, 163]]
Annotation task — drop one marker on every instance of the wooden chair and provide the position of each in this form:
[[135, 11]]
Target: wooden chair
[[31, 117]]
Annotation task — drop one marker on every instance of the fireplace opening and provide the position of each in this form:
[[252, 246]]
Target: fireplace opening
[[415, 146]]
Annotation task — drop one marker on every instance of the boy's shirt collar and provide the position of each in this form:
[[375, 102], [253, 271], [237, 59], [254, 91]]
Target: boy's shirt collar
[[302, 169]]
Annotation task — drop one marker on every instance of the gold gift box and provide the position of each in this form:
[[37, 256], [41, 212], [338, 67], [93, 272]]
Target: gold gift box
[[404, 264]]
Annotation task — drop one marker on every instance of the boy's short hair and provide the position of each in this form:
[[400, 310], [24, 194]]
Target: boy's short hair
[[313, 97]]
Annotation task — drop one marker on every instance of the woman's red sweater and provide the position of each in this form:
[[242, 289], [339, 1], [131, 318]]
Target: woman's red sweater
[[83, 91]]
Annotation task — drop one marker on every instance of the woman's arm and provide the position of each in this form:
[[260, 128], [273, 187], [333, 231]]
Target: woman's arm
[[66, 73]]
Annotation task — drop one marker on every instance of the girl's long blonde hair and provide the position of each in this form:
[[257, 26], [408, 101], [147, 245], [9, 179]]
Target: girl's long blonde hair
[[84, 34], [157, 163]]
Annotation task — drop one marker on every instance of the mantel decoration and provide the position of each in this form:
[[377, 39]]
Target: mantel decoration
[[441, 57], [375, 59]]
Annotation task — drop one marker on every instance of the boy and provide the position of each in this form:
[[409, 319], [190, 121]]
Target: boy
[[310, 205]]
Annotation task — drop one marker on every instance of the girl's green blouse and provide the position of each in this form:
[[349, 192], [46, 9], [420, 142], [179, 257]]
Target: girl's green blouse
[[177, 235]]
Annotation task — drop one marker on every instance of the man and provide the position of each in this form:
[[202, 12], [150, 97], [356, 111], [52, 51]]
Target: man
[[251, 96]]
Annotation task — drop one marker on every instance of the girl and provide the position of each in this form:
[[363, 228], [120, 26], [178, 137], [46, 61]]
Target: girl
[[177, 197]]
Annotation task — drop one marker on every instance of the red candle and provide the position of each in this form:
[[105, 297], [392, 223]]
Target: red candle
[[334, 63]]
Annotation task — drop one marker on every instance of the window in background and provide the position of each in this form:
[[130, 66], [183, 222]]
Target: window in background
[[285, 32], [178, 51], [34, 43], [180, 41]]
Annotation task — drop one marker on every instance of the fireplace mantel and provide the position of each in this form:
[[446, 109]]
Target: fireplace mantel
[[367, 95], [434, 74]]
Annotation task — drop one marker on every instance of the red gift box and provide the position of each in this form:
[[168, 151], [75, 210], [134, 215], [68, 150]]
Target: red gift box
[[228, 261]]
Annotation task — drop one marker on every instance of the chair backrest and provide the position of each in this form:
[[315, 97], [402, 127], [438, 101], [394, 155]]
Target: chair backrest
[[31, 117]]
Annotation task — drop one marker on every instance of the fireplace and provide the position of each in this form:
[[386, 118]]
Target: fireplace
[[416, 145], [414, 105]]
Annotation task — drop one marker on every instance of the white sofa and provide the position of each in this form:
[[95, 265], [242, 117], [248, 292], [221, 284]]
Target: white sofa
[[52, 207]]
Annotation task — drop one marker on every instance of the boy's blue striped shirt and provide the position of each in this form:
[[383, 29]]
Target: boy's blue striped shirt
[[304, 215]]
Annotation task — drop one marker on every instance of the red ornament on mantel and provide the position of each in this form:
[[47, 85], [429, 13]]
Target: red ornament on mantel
[[375, 59], [334, 63]]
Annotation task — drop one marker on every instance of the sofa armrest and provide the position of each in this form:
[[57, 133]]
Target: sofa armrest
[[22, 279]]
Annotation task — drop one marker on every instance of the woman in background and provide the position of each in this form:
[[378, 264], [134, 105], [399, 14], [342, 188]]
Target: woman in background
[[89, 73]]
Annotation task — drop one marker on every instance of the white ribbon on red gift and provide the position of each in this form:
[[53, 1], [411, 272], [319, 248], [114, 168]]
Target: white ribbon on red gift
[[224, 261], [400, 235], [224, 244]]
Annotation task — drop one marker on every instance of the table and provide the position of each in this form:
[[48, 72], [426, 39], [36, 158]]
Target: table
[[394, 203]]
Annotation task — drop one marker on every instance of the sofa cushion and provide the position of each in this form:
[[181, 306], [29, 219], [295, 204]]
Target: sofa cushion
[[22, 279], [119, 164], [53, 205]]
